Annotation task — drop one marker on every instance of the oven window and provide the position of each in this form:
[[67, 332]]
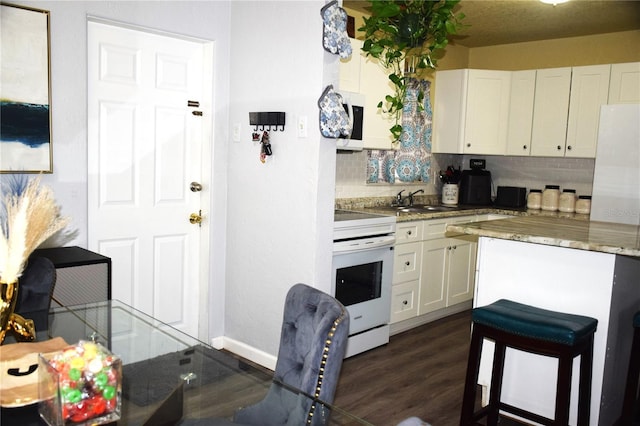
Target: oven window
[[359, 283]]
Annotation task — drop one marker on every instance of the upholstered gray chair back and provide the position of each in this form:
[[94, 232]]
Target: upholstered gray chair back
[[35, 289], [313, 341]]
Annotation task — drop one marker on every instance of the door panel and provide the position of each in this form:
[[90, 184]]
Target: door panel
[[145, 148]]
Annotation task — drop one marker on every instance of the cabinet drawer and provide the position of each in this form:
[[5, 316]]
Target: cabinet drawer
[[436, 228], [407, 261], [407, 232], [404, 301]]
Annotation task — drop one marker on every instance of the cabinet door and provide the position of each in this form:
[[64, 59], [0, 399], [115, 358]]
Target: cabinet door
[[449, 111], [550, 112], [461, 271], [624, 87], [433, 293], [404, 301], [589, 91], [349, 69], [523, 86], [375, 86], [407, 259], [487, 115], [365, 75]]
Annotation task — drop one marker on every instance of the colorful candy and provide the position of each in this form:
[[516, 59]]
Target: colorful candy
[[88, 377]]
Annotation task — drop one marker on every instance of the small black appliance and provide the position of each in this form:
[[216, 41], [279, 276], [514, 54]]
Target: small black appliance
[[475, 184]]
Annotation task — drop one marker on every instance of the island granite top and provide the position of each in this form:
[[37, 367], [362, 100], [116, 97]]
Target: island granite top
[[613, 238]]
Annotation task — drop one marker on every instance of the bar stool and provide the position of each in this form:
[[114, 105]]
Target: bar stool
[[538, 331], [633, 375]]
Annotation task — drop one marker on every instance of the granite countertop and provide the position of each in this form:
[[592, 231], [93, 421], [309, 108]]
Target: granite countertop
[[466, 211], [613, 238]]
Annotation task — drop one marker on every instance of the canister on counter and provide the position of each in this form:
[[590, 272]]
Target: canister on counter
[[534, 199], [583, 204], [567, 201], [550, 197]]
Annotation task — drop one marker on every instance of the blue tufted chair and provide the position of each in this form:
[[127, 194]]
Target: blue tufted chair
[[313, 341]]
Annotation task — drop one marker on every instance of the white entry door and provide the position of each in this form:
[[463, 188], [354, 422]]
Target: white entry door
[[149, 135]]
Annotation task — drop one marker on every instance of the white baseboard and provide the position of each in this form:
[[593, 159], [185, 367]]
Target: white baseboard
[[249, 352], [217, 342]]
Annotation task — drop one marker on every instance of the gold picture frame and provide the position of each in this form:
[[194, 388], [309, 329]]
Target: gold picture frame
[[25, 90]]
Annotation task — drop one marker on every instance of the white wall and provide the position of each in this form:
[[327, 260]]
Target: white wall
[[280, 212], [68, 23], [271, 223]]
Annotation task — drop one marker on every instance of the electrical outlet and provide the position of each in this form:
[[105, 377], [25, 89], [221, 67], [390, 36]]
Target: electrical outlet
[[236, 132]]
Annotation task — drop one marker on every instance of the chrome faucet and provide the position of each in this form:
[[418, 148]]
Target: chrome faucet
[[411, 194]]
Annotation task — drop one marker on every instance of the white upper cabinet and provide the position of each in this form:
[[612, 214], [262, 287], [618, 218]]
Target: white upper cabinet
[[365, 75], [471, 111], [624, 87], [550, 112], [523, 87], [589, 91]]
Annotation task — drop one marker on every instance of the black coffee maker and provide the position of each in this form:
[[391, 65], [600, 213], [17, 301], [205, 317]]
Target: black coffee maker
[[475, 184]]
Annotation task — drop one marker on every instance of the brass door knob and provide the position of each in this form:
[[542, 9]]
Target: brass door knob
[[195, 187], [196, 218]]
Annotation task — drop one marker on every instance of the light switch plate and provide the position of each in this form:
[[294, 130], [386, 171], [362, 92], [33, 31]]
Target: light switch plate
[[302, 126], [236, 132]]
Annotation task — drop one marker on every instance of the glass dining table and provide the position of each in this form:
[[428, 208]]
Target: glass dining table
[[167, 375]]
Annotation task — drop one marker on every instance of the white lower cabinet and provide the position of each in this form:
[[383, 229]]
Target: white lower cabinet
[[404, 300], [407, 265], [432, 271]]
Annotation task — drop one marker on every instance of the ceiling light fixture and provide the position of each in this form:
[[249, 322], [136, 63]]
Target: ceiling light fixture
[[554, 2]]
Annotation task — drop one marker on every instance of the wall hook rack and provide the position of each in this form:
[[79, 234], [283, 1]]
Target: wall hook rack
[[265, 121]]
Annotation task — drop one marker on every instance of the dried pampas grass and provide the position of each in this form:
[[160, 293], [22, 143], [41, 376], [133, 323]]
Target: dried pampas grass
[[31, 216]]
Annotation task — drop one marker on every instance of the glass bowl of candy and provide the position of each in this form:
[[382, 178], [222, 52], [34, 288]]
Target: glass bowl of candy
[[80, 385]]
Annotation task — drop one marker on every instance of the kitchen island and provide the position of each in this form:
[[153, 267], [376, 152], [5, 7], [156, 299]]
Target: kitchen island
[[579, 267]]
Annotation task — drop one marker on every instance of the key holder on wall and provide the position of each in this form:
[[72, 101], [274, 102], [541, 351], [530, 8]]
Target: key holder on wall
[[270, 121]]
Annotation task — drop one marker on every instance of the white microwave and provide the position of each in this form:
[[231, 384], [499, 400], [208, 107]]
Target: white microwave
[[354, 105]]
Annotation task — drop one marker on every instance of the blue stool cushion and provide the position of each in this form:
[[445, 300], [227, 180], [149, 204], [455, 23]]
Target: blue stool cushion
[[636, 320], [528, 321]]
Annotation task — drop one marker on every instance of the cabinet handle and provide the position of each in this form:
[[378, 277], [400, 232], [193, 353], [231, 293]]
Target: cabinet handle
[[468, 145], [569, 147], [409, 232], [455, 247], [524, 147], [405, 302], [559, 147], [407, 263], [449, 248]]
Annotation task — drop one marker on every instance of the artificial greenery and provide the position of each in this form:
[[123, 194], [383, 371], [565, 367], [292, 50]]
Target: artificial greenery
[[411, 32]]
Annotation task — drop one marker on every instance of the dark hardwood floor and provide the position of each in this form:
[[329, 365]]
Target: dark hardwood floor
[[419, 373]]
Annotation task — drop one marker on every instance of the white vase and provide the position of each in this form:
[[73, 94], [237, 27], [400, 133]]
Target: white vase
[[450, 193]]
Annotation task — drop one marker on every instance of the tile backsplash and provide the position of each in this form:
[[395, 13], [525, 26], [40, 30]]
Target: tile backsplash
[[530, 172]]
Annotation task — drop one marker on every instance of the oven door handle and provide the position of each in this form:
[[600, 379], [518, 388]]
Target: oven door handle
[[363, 244]]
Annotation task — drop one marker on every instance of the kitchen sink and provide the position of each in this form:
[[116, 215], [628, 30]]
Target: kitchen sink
[[421, 208]]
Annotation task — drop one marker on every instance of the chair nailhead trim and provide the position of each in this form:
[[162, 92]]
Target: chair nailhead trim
[[323, 363]]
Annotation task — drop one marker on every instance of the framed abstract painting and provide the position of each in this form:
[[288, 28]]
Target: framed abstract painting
[[25, 91]]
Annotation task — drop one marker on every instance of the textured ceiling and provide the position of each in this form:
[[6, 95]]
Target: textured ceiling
[[492, 22]]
